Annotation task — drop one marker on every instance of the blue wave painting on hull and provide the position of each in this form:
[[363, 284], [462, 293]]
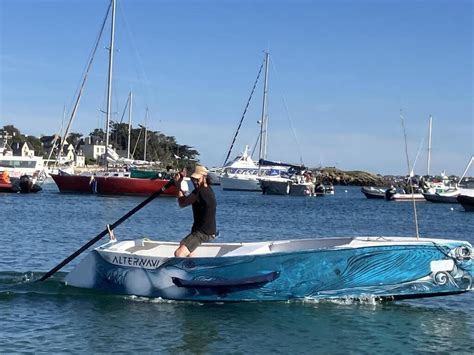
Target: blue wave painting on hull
[[399, 271]]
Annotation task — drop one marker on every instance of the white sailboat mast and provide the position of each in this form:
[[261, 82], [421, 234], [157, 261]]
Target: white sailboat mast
[[429, 145], [129, 123], [144, 148], [264, 120], [109, 81]]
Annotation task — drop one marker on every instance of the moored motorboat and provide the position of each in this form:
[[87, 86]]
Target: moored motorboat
[[23, 184], [28, 184], [9, 187], [466, 189], [442, 196], [302, 189], [406, 197], [373, 192], [385, 267], [242, 173], [285, 186], [275, 186], [287, 180], [399, 194], [467, 202]]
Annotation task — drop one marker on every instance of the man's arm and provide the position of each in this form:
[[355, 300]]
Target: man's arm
[[184, 200]]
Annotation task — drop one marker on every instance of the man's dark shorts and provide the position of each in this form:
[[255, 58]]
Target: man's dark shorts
[[195, 239]]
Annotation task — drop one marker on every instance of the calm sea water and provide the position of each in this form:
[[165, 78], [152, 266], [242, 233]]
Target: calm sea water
[[39, 230]]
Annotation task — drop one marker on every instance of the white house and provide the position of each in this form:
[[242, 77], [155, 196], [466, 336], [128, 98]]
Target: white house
[[24, 149], [93, 147]]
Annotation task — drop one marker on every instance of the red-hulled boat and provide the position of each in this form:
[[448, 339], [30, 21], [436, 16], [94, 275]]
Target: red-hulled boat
[[111, 185], [8, 187], [24, 184], [74, 183]]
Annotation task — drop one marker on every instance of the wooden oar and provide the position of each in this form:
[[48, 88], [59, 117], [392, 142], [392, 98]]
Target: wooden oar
[[104, 232]]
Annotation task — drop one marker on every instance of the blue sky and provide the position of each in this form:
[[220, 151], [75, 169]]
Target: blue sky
[[343, 68]]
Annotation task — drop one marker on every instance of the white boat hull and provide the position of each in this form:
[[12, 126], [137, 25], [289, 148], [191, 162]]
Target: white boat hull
[[249, 183]]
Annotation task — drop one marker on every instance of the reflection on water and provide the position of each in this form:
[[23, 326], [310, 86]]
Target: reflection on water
[[58, 317]]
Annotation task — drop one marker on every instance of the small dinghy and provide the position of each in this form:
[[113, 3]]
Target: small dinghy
[[373, 192], [398, 194], [442, 197], [384, 267]]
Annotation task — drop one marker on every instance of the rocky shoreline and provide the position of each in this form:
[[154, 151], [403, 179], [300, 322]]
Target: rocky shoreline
[[335, 176]]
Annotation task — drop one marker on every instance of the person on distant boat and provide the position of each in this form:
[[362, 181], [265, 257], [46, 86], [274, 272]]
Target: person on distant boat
[[204, 211]]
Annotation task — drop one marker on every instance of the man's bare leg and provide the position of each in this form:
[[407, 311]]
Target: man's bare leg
[[182, 252]]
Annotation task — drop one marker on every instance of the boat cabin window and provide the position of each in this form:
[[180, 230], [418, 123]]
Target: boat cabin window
[[18, 163]]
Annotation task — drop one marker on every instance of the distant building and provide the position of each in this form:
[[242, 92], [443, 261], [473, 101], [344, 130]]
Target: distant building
[[92, 147], [23, 149], [70, 155]]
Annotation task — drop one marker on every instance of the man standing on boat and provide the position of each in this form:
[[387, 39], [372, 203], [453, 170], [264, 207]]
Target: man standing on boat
[[204, 211]]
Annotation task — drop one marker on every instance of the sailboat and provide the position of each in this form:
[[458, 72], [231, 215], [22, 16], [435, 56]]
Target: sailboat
[[466, 196], [438, 190], [245, 174], [110, 182]]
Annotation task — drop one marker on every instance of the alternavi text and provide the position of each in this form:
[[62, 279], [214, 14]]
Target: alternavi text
[[136, 261]]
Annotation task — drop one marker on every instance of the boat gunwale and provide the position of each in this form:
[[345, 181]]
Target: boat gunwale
[[412, 242]]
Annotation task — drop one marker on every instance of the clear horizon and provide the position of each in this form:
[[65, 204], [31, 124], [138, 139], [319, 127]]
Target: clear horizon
[[341, 72]]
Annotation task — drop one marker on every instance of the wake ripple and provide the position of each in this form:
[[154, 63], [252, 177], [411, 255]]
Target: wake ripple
[[14, 284]]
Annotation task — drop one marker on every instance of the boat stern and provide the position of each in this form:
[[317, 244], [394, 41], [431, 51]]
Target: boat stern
[[84, 275]]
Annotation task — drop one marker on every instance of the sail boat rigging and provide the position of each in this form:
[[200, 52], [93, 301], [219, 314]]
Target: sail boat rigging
[[244, 174], [108, 182], [264, 121], [243, 116]]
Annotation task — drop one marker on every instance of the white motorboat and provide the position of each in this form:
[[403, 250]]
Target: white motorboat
[[280, 182], [373, 192], [442, 195], [242, 173]]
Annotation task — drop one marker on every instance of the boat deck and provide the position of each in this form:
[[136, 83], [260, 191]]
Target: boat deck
[[160, 249]]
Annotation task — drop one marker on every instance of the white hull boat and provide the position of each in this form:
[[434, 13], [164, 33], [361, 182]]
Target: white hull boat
[[324, 268], [240, 183], [407, 197], [442, 196]]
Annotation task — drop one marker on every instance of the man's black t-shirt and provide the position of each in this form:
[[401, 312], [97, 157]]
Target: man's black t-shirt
[[204, 211]]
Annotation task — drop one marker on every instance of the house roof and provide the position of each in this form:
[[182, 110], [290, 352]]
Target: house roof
[[18, 146]]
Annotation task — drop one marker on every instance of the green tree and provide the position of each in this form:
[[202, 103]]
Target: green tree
[[16, 137], [98, 132], [74, 138], [14, 133], [159, 146]]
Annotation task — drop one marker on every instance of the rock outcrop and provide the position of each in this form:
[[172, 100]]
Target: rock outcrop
[[339, 177]]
